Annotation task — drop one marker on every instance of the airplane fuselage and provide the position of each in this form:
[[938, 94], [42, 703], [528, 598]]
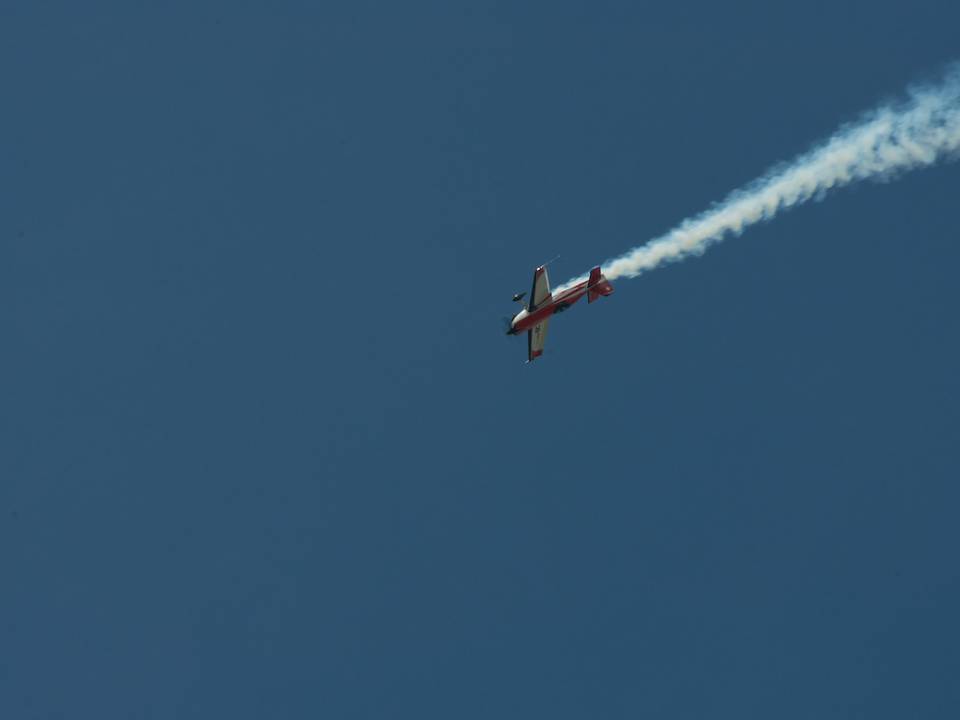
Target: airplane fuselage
[[525, 320]]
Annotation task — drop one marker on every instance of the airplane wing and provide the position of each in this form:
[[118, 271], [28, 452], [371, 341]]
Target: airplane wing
[[540, 293], [536, 337]]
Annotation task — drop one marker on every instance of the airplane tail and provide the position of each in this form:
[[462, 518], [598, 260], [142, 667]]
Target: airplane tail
[[598, 285]]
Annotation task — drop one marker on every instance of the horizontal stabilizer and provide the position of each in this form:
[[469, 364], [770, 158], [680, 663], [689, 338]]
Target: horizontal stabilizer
[[598, 285]]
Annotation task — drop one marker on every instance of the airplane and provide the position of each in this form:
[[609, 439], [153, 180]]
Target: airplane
[[543, 304]]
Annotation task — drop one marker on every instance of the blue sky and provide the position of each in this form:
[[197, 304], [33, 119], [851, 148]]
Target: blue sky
[[265, 451]]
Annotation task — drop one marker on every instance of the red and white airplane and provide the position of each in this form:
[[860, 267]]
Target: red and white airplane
[[543, 304]]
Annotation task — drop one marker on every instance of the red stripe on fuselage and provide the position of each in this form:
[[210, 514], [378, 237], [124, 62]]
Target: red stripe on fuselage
[[566, 298]]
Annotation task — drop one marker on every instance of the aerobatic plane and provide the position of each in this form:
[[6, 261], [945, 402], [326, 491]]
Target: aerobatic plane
[[534, 318]]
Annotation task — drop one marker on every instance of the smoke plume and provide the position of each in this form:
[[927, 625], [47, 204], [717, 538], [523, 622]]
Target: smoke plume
[[918, 132]]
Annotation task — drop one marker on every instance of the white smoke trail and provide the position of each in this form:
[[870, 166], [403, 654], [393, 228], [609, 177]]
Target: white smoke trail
[[893, 139]]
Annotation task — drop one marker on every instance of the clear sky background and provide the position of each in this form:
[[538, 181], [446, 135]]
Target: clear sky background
[[266, 452]]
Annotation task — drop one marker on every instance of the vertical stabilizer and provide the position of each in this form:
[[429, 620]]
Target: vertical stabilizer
[[597, 285]]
